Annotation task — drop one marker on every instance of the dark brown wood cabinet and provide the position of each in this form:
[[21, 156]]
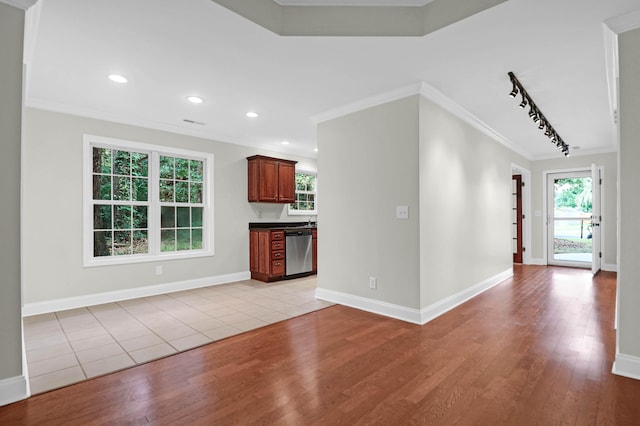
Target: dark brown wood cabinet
[[271, 180], [267, 254]]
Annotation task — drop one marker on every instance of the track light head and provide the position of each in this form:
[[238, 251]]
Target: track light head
[[523, 103], [532, 112], [514, 91], [542, 124]]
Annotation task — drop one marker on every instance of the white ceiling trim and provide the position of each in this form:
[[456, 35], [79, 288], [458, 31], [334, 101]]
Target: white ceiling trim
[[352, 2], [369, 102], [456, 109], [623, 23], [432, 94], [20, 4], [149, 124]]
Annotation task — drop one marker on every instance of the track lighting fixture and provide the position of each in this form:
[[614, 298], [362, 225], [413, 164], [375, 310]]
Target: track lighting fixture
[[536, 115]]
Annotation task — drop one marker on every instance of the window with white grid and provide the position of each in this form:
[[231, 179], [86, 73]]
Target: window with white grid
[[145, 202]]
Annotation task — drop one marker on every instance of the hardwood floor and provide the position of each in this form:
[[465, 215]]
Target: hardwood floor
[[536, 349]]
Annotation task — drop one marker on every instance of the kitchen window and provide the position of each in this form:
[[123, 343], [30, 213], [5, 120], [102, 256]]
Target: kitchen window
[[306, 198], [145, 202]]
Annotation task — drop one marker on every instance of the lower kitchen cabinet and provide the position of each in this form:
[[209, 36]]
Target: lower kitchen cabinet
[[267, 254]]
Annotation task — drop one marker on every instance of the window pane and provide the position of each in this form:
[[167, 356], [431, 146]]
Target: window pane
[[121, 188], [121, 163], [139, 217], [166, 191], [140, 242], [140, 164], [121, 243], [182, 169], [184, 239], [122, 217], [182, 191], [101, 187], [196, 192], [101, 217], [140, 189], [168, 240], [102, 160], [168, 217], [196, 239], [196, 216], [184, 217], [166, 167], [196, 170], [102, 243]]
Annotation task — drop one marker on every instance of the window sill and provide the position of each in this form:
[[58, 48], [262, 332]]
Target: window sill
[[145, 258]]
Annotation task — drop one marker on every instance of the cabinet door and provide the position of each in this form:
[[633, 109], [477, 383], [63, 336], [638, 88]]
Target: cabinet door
[[268, 181], [254, 251], [286, 182], [264, 252], [314, 257]]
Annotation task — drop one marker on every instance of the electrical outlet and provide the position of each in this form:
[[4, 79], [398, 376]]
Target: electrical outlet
[[402, 212], [159, 270], [373, 283]]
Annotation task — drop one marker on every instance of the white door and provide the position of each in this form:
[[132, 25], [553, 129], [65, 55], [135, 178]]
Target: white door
[[596, 218], [569, 219]]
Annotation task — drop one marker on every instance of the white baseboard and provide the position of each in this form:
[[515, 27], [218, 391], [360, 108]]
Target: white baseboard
[[56, 305], [610, 267], [537, 261], [370, 305], [407, 314], [13, 389], [627, 366], [436, 309]]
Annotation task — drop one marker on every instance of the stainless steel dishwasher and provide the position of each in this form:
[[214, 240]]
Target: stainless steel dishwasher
[[299, 259]]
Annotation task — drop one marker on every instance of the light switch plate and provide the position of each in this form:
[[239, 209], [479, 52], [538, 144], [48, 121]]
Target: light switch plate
[[402, 212]]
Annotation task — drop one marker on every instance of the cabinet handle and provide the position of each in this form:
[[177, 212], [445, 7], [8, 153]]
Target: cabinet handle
[[278, 264], [277, 255]]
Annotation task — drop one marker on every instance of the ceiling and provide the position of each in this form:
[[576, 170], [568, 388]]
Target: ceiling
[[169, 50]]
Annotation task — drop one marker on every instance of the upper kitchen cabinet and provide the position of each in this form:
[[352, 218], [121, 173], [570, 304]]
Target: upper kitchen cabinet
[[271, 180]]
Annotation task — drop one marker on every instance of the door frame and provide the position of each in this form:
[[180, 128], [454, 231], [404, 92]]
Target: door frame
[[516, 169], [545, 218]]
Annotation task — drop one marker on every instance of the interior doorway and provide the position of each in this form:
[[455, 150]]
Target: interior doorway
[[516, 226], [573, 219]]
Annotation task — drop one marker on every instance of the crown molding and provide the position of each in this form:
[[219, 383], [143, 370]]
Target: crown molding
[[434, 95], [20, 4], [623, 23], [368, 102], [364, 3], [459, 111]]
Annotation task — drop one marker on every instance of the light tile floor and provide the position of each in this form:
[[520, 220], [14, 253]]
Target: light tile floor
[[71, 346]]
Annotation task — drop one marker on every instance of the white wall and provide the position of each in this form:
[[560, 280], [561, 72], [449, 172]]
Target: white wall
[[12, 380], [457, 184], [609, 203], [53, 210], [629, 154], [465, 205], [368, 165]]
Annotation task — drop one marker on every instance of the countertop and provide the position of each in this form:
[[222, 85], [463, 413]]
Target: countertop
[[282, 225]]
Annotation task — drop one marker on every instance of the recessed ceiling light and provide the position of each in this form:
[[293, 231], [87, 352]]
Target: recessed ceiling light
[[195, 99], [315, 149], [252, 114], [285, 142], [117, 78]]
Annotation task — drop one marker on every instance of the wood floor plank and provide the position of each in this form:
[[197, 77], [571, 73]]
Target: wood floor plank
[[535, 349]]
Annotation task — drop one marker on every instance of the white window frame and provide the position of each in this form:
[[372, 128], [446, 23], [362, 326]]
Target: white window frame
[[314, 212], [153, 212]]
